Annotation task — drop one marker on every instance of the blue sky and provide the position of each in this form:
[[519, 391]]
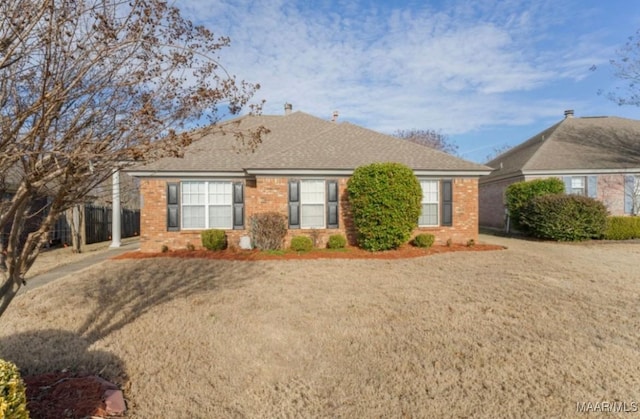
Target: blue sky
[[486, 73]]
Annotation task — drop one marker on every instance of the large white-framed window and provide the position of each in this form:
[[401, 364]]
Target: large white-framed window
[[207, 204], [312, 203], [430, 203]]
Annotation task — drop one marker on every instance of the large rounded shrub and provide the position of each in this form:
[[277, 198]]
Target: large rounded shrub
[[519, 194], [385, 204], [13, 395], [565, 217]]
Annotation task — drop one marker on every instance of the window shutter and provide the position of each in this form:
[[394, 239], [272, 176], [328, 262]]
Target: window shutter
[[447, 202], [332, 204], [238, 206], [592, 186], [294, 204], [173, 206], [629, 181], [567, 184]]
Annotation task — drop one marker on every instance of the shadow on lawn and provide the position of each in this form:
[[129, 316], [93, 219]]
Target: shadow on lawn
[[127, 290]]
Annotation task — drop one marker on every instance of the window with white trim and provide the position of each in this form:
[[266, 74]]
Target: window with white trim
[[579, 185], [312, 203], [207, 205], [430, 203]]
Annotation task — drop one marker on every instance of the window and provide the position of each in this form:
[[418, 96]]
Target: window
[[312, 201], [207, 205], [430, 201], [578, 185]]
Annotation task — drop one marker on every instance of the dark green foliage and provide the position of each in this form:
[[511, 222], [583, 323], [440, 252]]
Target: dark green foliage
[[268, 230], [565, 217], [519, 194], [301, 243], [622, 228], [213, 239], [385, 204], [337, 241], [424, 240]]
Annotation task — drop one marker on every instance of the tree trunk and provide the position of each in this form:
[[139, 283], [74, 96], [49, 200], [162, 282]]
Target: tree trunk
[[76, 229], [11, 283]]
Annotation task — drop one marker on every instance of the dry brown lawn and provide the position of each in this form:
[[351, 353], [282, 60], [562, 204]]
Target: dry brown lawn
[[525, 332]]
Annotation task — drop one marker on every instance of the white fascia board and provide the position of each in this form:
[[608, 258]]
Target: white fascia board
[[578, 172], [349, 172], [452, 173], [183, 175]]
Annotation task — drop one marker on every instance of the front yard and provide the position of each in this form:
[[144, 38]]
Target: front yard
[[531, 331]]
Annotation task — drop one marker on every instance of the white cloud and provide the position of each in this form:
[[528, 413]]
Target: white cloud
[[458, 68]]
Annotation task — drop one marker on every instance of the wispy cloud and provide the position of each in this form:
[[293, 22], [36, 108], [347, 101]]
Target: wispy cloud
[[457, 67]]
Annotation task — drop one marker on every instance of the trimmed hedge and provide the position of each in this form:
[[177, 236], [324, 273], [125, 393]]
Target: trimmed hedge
[[424, 240], [519, 194], [385, 204], [337, 241], [565, 217], [301, 243], [622, 228], [13, 394], [213, 239]]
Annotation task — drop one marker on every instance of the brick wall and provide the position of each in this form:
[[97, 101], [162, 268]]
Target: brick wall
[[271, 194], [492, 203]]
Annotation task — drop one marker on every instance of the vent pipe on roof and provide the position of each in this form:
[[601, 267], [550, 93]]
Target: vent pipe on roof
[[568, 113], [288, 108], [335, 116]]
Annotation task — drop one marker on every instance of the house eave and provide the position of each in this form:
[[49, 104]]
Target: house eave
[[556, 172], [185, 174], [349, 172]]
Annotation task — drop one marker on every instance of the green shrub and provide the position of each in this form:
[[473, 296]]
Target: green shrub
[[301, 243], [385, 204], [13, 395], [164, 248], [519, 194], [337, 241], [424, 240], [268, 230], [565, 217], [622, 228], [214, 239]]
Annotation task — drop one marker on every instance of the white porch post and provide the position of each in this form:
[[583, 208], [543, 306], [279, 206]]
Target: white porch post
[[115, 211]]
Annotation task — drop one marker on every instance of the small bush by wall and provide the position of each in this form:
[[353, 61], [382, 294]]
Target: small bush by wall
[[13, 395], [213, 239], [385, 204], [337, 241], [519, 194], [268, 230], [565, 217], [301, 243], [622, 228], [424, 240]]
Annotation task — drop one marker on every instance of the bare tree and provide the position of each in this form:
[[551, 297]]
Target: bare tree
[[428, 138], [88, 84], [627, 68], [496, 151]]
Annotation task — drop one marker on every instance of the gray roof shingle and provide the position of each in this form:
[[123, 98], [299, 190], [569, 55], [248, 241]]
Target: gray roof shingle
[[302, 141], [587, 143]]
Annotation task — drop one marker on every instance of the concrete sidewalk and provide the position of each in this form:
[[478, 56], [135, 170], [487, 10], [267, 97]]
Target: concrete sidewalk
[[71, 268]]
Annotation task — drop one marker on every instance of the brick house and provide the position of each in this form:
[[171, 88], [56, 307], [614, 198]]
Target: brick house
[[594, 156], [300, 170]]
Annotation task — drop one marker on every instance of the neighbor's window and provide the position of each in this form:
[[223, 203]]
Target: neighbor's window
[[578, 185], [207, 205], [430, 200], [312, 202]]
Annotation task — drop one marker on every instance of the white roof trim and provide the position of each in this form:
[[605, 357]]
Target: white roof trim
[[183, 174], [349, 172], [579, 171]]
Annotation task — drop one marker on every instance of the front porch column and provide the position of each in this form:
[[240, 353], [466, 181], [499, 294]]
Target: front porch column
[[115, 211]]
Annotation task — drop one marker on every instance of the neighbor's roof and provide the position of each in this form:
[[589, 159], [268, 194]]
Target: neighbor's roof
[[588, 144], [299, 141]]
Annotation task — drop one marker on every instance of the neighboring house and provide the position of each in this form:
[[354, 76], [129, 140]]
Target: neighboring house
[[300, 170], [594, 156]]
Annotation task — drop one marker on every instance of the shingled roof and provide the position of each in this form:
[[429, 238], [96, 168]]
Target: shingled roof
[[588, 144], [299, 141]]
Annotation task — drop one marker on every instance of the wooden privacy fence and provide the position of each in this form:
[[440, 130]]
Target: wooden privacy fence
[[97, 225]]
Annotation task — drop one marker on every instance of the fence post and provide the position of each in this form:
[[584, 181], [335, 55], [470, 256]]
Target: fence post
[[115, 211]]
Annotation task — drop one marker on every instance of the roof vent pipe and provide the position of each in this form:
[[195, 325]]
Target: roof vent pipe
[[568, 113], [335, 116], [288, 108]]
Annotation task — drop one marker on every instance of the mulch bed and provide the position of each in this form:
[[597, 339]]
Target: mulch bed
[[403, 252]]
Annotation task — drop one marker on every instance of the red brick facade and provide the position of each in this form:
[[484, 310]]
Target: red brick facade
[[271, 194]]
